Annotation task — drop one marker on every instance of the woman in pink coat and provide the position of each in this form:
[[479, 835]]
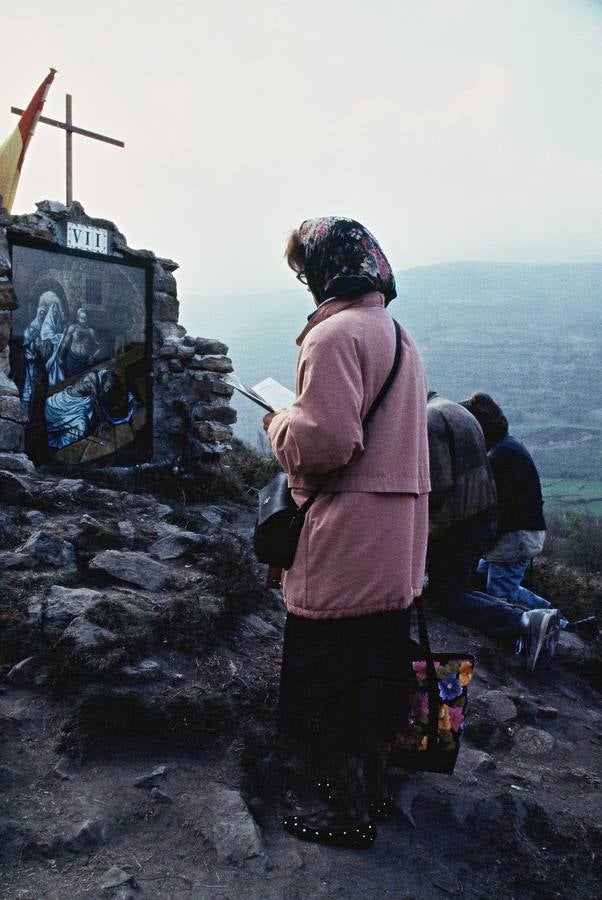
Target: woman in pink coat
[[361, 554]]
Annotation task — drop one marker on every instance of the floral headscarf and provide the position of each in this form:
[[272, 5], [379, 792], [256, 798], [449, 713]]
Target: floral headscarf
[[342, 259]]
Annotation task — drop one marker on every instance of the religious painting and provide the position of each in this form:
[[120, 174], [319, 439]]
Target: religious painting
[[80, 355]]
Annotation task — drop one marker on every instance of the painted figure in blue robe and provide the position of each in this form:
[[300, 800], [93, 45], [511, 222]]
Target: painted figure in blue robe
[[78, 410]]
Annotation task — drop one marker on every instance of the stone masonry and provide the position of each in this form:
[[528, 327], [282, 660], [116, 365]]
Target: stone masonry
[[192, 416]]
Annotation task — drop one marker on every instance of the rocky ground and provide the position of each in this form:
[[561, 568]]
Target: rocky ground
[[139, 659]]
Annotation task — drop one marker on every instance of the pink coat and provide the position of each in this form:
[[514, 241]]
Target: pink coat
[[363, 546]]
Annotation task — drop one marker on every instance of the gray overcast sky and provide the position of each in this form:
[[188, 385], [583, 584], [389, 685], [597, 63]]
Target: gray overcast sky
[[454, 129]]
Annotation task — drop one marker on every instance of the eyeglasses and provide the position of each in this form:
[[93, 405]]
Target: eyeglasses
[[300, 276]]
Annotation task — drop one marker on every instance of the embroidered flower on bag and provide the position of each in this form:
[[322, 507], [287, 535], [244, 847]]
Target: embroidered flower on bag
[[456, 717], [465, 670], [444, 718], [450, 687]]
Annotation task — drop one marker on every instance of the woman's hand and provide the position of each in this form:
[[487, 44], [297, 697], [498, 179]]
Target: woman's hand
[[267, 419]]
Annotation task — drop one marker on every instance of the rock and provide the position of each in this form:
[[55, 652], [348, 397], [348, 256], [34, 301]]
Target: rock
[[163, 281], [158, 796], [202, 412], [90, 834], [127, 532], [87, 637], [168, 330], [54, 208], [14, 489], [13, 837], [114, 878], [213, 363], [214, 431], [8, 299], [5, 328], [209, 346], [148, 781], [24, 672], [533, 741], [547, 712], [12, 435], [11, 408], [70, 487], [9, 777], [257, 625], [8, 529], [527, 710], [135, 568], [471, 762], [34, 517], [167, 307], [65, 768], [10, 559], [212, 516], [185, 352], [95, 535], [16, 462], [174, 545], [498, 706], [144, 670], [50, 551], [211, 384], [61, 605], [232, 829], [168, 264], [8, 388]]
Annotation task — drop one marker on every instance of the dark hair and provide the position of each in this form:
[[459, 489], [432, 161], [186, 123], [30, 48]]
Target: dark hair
[[489, 416], [295, 252]]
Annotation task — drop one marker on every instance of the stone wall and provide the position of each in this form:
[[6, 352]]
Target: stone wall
[[192, 417]]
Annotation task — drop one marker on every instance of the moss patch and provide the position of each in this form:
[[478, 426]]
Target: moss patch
[[104, 717]]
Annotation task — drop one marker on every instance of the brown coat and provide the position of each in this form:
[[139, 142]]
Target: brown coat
[[363, 545]]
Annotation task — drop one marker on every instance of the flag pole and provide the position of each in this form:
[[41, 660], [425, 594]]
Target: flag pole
[[69, 148]]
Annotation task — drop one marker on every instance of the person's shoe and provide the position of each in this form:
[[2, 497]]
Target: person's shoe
[[354, 835], [541, 636]]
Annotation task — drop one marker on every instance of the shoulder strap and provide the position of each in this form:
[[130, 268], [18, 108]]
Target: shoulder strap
[[431, 674], [375, 404], [390, 378]]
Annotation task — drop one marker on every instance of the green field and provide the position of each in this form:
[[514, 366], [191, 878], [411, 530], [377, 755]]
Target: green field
[[573, 493]]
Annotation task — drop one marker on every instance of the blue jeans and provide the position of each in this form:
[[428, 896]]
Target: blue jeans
[[504, 580], [452, 560]]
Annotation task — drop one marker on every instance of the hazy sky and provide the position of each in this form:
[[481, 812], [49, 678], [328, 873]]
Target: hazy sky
[[454, 129]]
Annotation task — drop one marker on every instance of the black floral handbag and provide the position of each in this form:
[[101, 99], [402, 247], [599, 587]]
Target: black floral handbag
[[279, 519], [438, 703]]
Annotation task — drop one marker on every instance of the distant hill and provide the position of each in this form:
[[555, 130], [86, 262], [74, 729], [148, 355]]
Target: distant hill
[[530, 335]]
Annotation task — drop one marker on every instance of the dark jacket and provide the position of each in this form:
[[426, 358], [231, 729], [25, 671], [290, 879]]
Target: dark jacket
[[462, 484], [519, 500]]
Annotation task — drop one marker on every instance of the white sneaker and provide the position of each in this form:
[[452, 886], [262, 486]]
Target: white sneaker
[[541, 636]]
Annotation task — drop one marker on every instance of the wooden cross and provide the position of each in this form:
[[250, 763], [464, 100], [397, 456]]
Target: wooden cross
[[70, 130]]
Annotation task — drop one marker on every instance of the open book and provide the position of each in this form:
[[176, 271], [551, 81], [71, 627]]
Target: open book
[[269, 393]]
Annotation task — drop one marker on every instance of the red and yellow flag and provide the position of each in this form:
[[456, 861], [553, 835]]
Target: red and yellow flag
[[12, 151]]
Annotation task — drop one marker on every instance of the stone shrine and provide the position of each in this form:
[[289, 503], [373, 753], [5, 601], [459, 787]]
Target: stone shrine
[[94, 365]]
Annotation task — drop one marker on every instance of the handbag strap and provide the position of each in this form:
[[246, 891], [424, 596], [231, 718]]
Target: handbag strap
[[431, 675], [300, 515]]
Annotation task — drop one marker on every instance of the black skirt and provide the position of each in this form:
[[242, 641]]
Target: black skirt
[[344, 682]]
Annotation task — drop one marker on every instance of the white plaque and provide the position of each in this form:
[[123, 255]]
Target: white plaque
[[87, 237]]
